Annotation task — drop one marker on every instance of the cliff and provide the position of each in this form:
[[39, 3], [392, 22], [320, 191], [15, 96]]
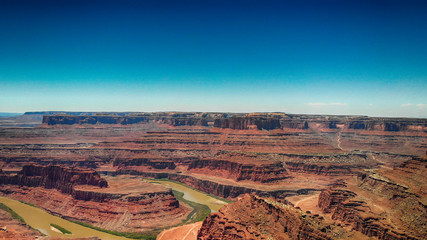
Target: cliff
[[216, 188], [239, 121], [127, 204], [147, 163], [245, 122], [269, 121], [253, 217], [345, 206], [126, 118], [57, 177], [239, 171], [294, 124], [109, 211], [74, 119], [323, 169]]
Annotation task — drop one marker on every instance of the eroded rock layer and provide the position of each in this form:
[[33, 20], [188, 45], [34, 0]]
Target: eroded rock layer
[[272, 155], [57, 177], [267, 121], [253, 217], [377, 206], [128, 204]]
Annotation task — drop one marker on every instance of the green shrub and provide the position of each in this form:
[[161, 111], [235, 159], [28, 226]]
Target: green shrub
[[63, 230], [146, 235], [11, 212]]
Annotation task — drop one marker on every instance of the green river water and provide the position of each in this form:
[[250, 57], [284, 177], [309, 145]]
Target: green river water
[[193, 195]]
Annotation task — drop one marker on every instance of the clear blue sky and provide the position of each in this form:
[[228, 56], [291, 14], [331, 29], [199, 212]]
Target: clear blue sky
[[330, 57]]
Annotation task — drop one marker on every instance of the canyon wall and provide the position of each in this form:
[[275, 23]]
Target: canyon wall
[[126, 118], [388, 210], [253, 217], [57, 177], [81, 195], [117, 212], [266, 121], [353, 212], [324, 169], [218, 189], [239, 171]]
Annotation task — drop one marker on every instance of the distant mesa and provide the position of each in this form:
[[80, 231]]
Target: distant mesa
[[238, 121]]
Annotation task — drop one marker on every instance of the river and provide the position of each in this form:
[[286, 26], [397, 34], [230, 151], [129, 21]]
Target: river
[[193, 195], [41, 220]]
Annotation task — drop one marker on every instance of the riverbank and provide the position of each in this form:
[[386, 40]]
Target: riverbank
[[41, 220], [214, 203], [201, 203]]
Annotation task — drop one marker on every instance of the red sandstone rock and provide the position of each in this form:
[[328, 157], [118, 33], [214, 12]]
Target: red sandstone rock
[[129, 205], [61, 178], [384, 209], [253, 217]]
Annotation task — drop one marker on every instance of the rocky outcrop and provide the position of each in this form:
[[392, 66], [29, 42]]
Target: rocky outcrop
[[187, 122], [344, 206], [388, 125], [72, 119], [171, 118], [130, 205], [239, 171], [294, 124], [332, 199], [266, 121], [253, 217], [245, 122], [215, 188], [159, 163], [57, 177], [127, 213], [323, 169]]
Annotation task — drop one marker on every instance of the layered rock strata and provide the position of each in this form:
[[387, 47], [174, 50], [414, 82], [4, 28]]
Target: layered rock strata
[[253, 217], [57, 177], [126, 205], [266, 121], [215, 188], [379, 207], [340, 204]]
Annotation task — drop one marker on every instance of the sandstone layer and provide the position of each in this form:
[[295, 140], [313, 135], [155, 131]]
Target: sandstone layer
[[377, 206], [253, 217], [127, 205], [361, 171]]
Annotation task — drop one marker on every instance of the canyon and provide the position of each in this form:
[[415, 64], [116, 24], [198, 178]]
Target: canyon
[[79, 195], [289, 176]]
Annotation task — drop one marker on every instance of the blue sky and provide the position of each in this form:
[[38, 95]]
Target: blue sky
[[324, 57]]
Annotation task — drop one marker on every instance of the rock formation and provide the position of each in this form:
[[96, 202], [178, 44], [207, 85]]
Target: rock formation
[[253, 217], [266, 121], [272, 155], [392, 211], [82, 195], [57, 177]]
